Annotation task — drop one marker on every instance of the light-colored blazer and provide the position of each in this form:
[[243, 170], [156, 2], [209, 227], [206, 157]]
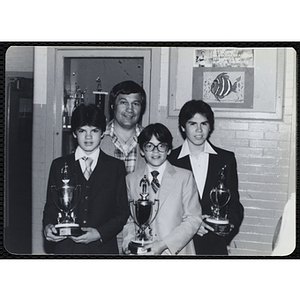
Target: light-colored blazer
[[179, 214]]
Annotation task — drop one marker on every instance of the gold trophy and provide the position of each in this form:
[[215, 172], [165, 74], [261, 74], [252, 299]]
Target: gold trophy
[[143, 212], [66, 197], [220, 197]]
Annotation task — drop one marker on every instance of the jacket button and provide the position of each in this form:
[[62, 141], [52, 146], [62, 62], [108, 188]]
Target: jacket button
[[84, 221], [86, 197]]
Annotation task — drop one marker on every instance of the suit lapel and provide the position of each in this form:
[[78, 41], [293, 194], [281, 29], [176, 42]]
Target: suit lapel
[[184, 162], [99, 174], [214, 166], [166, 184]]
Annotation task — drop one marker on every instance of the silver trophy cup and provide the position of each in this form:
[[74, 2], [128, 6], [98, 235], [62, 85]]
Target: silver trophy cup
[[220, 197], [66, 197], [143, 212]]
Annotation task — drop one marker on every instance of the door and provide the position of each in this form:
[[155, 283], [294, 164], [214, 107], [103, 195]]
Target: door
[[81, 69]]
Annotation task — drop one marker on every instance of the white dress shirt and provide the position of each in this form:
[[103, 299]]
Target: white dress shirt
[[199, 163], [79, 153]]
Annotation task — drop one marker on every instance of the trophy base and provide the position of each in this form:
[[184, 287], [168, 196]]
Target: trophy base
[[68, 229], [219, 226], [137, 247]]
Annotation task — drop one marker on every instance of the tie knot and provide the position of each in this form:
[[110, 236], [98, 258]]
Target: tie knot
[[88, 161], [154, 174]]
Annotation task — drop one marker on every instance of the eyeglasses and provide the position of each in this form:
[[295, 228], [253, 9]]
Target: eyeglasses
[[161, 147]]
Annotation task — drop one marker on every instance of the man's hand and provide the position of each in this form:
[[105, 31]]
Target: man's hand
[[91, 235], [204, 228], [156, 247], [50, 233]]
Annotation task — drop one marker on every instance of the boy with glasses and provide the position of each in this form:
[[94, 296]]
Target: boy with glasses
[[179, 213]]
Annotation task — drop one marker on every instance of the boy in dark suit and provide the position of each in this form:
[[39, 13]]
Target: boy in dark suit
[[196, 123], [102, 209], [179, 212]]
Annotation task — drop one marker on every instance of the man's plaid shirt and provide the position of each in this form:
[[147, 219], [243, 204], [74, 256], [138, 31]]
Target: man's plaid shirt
[[128, 155]]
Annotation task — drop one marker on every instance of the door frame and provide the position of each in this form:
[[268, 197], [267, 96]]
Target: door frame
[[151, 57]]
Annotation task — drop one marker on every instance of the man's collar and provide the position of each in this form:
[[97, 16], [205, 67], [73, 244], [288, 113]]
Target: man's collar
[[110, 129], [185, 149]]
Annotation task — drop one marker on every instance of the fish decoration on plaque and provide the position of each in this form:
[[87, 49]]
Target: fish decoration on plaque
[[222, 86]]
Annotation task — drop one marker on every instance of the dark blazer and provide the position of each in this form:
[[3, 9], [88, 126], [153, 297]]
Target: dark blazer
[[211, 243], [103, 203]]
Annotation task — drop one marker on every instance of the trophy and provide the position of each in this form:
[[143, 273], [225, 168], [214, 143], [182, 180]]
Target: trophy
[[142, 212], [66, 198], [219, 197]]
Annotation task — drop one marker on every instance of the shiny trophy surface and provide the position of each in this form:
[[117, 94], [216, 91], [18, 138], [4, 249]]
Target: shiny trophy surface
[[220, 197], [66, 198], [143, 212]]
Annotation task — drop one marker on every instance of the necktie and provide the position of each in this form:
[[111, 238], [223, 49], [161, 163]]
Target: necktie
[[155, 183], [88, 170]]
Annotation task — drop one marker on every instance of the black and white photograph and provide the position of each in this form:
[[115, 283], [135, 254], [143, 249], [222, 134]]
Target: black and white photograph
[[150, 151], [163, 169]]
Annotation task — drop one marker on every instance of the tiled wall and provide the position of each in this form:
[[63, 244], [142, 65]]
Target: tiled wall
[[262, 148]]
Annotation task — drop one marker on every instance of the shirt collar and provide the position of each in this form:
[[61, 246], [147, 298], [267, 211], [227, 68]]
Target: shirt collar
[[110, 130], [160, 169], [185, 149], [79, 153]]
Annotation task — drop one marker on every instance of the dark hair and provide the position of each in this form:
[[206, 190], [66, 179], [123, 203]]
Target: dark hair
[[89, 115], [126, 87], [192, 107], [160, 131]]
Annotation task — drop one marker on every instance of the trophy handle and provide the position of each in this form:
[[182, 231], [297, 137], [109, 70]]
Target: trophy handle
[[218, 204], [229, 197], [54, 193], [155, 205], [132, 211], [76, 195]]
